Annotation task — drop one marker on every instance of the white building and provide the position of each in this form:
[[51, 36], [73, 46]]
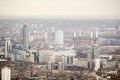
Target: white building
[[6, 73], [31, 38], [75, 61], [59, 37], [75, 34], [49, 65], [53, 29], [97, 64], [91, 35], [46, 36], [60, 66], [80, 33]]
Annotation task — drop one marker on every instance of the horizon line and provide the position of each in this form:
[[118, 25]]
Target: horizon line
[[57, 17]]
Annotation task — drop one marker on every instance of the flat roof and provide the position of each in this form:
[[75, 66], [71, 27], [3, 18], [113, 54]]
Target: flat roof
[[2, 60]]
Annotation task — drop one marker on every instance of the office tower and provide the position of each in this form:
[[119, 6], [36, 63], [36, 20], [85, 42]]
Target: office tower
[[95, 52], [80, 34], [64, 61], [70, 59], [75, 34], [5, 46], [34, 55], [49, 65], [52, 29], [60, 66], [91, 38], [2, 47], [96, 34], [8, 46], [96, 40], [46, 36], [25, 37], [59, 37], [97, 64], [91, 35], [6, 73]]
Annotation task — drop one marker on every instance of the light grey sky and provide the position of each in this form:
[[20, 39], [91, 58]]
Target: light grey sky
[[73, 8]]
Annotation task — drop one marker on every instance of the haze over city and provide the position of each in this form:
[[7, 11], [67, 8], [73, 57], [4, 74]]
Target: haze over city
[[59, 40], [60, 8]]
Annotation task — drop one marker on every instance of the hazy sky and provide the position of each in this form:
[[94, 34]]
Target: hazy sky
[[73, 8]]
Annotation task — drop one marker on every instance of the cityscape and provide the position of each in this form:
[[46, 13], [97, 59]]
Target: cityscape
[[60, 49], [59, 41]]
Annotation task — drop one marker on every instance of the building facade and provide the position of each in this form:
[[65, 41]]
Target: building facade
[[59, 37], [25, 37]]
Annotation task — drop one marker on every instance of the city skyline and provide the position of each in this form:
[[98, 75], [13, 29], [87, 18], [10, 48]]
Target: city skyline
[[59, 40], [61, 8]]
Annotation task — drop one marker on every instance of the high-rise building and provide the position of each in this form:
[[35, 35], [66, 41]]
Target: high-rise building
[[91, 35], [75, 34], [95, 52], [59, 37], [53, 29], [60, 66], [70, 59], [96, 34], [64, 61], [25, 37], [97, 64], [6, 73], [46, 35], [5, 46], [80, 33], [8, 46], [49, 65]]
